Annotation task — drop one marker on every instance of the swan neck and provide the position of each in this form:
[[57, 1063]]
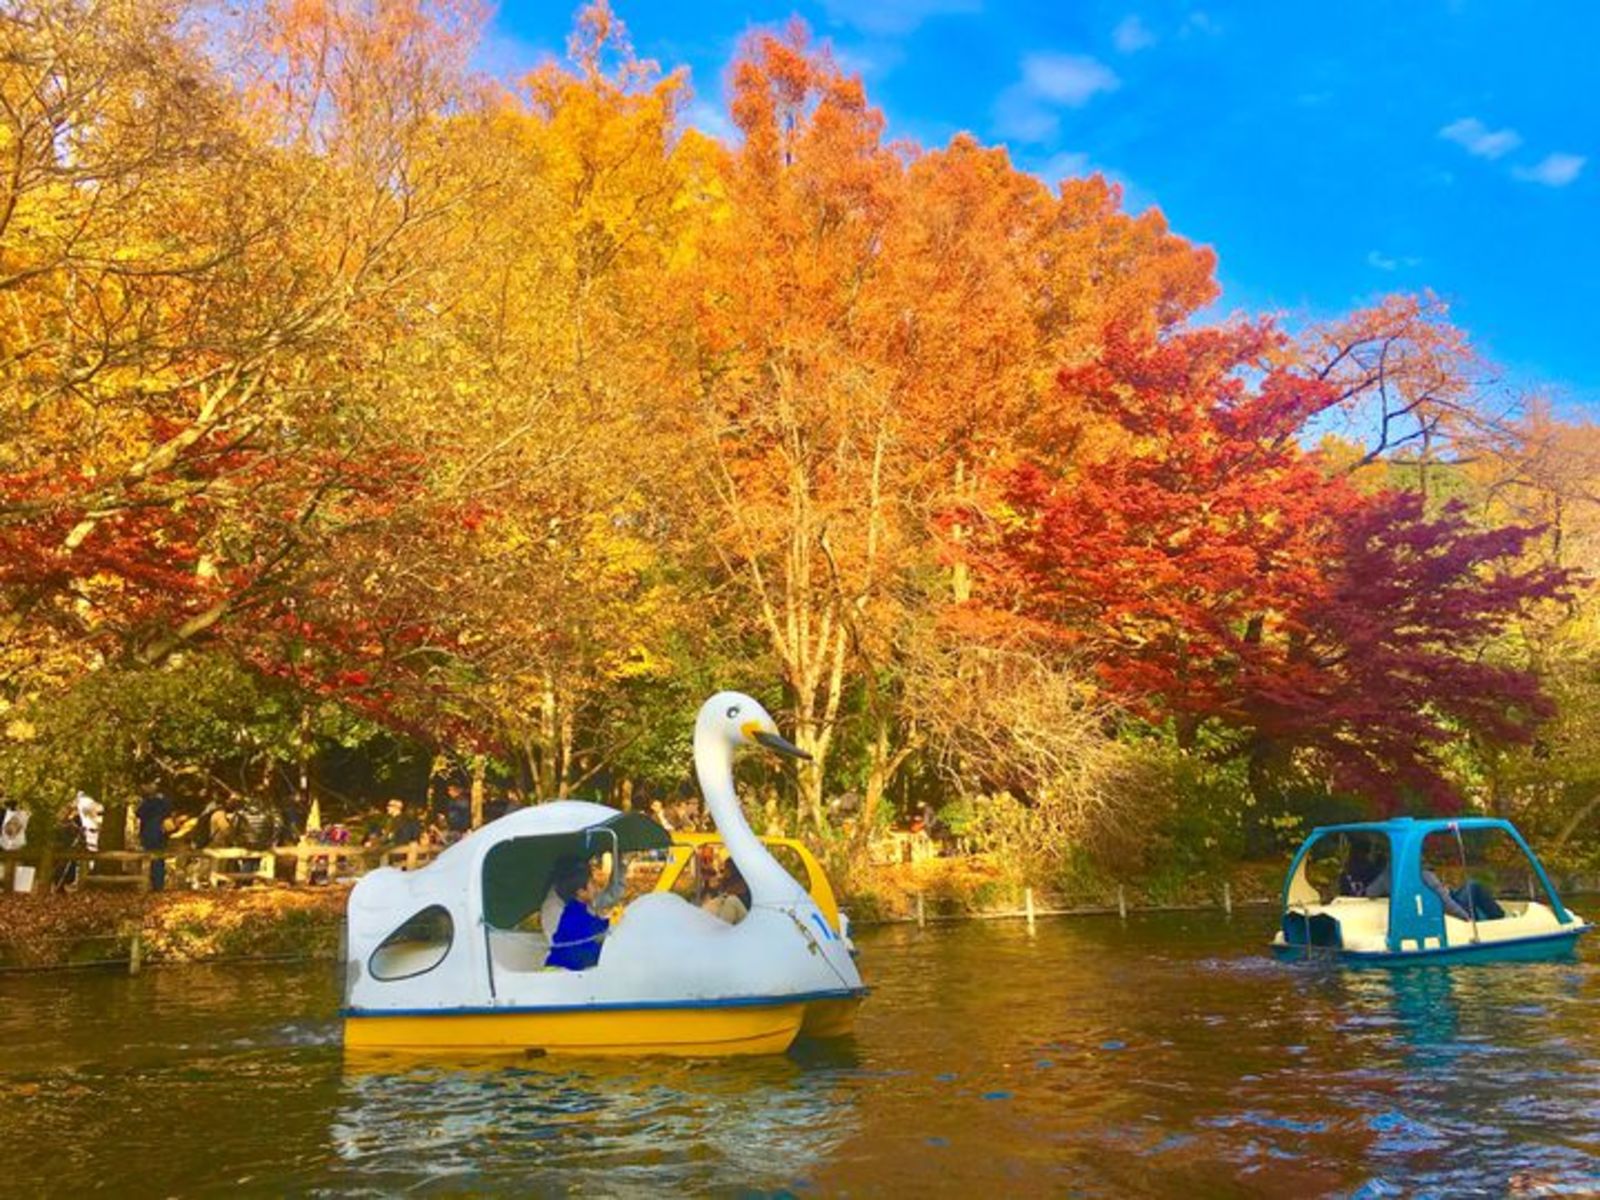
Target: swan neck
[[768, 882]]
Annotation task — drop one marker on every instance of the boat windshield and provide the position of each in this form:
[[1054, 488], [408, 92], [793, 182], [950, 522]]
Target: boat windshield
[[1345, 863], [1488, 861]]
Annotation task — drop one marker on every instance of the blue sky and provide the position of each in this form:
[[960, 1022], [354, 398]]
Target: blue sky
[[1329, 152]]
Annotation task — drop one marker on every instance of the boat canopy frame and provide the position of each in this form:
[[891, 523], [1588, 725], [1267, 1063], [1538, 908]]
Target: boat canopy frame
[[516, 873], [1416, 913]]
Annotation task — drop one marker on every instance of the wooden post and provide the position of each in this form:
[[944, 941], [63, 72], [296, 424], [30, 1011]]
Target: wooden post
[[1227, 898], [135, 952], [1122, 902], [1027, 904], [922, 916]]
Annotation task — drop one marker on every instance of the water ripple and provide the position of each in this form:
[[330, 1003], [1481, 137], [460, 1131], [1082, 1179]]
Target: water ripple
[[1166, 1055]]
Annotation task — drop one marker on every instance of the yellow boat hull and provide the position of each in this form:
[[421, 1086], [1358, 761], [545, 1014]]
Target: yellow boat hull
[[684, 1032]]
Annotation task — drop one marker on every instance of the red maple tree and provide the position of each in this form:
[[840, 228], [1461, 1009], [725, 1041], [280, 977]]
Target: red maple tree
[[1210, 569]]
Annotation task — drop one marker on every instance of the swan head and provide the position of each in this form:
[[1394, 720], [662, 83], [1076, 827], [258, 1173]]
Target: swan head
[[737, 720]]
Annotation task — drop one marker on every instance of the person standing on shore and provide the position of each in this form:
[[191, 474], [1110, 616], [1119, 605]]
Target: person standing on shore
[[13, 826], [90, 813], [154, 812], [69, 835]]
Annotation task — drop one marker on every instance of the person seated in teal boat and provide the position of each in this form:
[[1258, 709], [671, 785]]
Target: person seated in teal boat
[[575, 944], [1365, 862], [1470, 901]]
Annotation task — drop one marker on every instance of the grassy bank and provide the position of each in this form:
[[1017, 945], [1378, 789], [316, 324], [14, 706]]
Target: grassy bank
[[85, 928]]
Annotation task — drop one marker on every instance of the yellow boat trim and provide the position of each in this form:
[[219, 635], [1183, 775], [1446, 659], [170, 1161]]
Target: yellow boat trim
[[690, 1032]]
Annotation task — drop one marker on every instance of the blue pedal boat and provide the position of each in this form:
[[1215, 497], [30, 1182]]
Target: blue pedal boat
[[1367, 893]]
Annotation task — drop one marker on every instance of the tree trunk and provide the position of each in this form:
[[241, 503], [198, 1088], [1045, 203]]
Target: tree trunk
[[565, 772], [884, 762], [547, 738], [479, 768], [960, 578], [305, 761]]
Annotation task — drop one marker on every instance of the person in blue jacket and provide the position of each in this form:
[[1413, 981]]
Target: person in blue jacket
[[575, 944]]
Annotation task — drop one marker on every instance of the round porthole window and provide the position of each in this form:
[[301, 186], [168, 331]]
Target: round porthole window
[[416, 947]]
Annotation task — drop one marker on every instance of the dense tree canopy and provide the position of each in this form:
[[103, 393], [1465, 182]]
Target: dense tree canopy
[[504, 419]]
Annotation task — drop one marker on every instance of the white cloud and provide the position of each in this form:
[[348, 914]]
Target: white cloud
[[1131, 34], [1020, 116], [1070, 79], [893, 16], [1556, 170], [1478, 139], [870, 60], [710, 120], [1069, 164], [508, 58], [1027, 111], [1385, 262]]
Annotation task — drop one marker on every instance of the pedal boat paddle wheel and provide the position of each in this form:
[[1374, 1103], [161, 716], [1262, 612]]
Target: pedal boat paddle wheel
[[1405, 918], [437, 961]]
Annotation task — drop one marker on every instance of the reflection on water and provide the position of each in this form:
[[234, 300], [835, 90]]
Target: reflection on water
[[598, 1127], [1165, 1056]]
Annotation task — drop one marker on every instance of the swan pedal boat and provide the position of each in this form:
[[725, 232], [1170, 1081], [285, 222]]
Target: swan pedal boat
[[436, 959], [1410, 925]]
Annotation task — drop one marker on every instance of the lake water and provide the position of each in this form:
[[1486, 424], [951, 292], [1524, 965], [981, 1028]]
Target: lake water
[[1164, 1056]]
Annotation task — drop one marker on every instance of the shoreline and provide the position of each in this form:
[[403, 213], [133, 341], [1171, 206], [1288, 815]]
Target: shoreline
[[261, 924], [289, 924]]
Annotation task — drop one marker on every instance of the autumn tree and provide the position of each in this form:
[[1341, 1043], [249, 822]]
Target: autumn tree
[[1214, 572], [1409, 384], [201, 264], [996, 280], [798, 412]]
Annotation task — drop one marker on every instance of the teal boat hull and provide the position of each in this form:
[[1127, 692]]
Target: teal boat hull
[[1546, 947]]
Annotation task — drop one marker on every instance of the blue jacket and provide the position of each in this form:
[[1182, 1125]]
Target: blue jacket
[[576, 944]]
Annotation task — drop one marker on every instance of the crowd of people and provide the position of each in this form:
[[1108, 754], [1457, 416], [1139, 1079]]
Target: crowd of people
[[161, 826], [157, 824]]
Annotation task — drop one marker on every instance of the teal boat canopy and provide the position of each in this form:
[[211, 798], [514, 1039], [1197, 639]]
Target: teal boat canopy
[[1416, 912]]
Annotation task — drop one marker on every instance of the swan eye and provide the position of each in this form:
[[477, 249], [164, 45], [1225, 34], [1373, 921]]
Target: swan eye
[[733, 712]]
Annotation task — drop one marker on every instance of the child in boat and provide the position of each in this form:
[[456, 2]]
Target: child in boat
[[607, 887], [575, 944], [730, 901]]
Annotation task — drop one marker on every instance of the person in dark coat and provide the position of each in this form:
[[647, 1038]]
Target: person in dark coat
[[153, 813]]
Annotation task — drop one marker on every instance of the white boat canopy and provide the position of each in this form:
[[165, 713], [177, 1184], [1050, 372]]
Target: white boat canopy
[[493, 879]]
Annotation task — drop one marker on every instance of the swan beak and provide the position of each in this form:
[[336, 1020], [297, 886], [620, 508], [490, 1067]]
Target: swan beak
[[782, 745]]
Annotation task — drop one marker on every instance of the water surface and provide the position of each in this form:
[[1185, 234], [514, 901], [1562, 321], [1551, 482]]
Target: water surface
[[1164, 1056]]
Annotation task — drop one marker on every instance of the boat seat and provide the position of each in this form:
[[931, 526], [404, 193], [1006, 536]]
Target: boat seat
[[518, 949]]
